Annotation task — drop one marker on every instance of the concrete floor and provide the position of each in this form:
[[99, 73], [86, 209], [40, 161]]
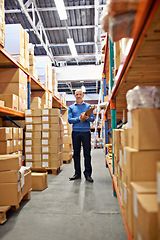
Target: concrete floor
[[69, 210]]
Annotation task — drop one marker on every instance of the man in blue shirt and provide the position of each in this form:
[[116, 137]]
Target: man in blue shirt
[[81, 134]]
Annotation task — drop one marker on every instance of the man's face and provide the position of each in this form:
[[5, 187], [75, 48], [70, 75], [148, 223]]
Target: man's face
[[79, 96]]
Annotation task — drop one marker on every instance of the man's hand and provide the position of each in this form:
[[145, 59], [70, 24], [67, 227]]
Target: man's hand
[[84, 116]]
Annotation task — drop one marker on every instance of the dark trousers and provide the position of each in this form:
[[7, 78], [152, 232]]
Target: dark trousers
[[85, 139]]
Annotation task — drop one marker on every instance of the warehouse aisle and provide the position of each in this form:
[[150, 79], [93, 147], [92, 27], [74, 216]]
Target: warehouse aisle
[[69, 210]]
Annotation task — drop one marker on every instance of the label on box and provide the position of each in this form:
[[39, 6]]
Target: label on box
[[45, 149], [28, 119], [19, 186], [19, 130], [29, 156], [7, 130], [45, 119], [28, 112], [45, 134], [139, 236], [158, 184], [45, 112], [28, 142], [65, 131], [20, 162], [135, 210], [19, 142], [29, 127], [129, 117], [14, 130], [14, 142], [44, 164], [44, 142], [45, 156], [65, 127], [125, 157], [28, 164], [28, 149], [65, 123], [8, 143], [45, 126], [28, 135], [14, 97]]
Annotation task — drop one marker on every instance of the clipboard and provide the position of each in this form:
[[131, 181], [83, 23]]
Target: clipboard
[[88, 113]]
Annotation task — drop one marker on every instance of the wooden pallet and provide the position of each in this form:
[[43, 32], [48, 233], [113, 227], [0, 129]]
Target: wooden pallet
[[5, 209], [49, 170], [67, 161]]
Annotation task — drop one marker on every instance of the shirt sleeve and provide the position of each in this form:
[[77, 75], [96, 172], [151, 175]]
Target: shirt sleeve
[[91, 118], [72, 120]]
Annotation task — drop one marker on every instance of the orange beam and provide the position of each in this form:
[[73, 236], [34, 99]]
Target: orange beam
[[12, 112]]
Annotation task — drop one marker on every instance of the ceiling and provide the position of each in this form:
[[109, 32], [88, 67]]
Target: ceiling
[[49, 33]]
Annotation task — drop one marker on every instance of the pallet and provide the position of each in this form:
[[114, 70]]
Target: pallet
[[5, 209], [67, 161]]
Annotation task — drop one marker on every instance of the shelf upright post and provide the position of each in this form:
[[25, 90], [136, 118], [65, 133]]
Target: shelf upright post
[[113, 101], [29, 92]]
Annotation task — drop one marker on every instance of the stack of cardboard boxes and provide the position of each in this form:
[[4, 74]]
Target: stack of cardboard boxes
[[67, 139], [19, 50], [13, 88], [44, 139], [136, 171], [41, 99], [32, 61], [11, 140], [2, 22], [15, 183]]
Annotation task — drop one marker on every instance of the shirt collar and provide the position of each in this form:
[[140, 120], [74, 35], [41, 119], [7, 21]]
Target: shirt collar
[[79, 104]]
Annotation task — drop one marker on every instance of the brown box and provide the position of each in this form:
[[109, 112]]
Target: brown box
[[33, 127], [6, 147], [15, 146], [39, 181], [10, 162], [33, 157], [33, 142], [136, 189], [11, 100], [9, 176], [33, 120], [51, 127], [67, 147], [147, 216], [5, 133], [50, 157], [50, 135], [33, 112], [145, 129], [15, 133], [13, 88], [33, 164], [54, 112], [20, 133], [20, 145], [140, 165], [67, 140], [10, 194], [33, 149], [67, 156], [33, 135]]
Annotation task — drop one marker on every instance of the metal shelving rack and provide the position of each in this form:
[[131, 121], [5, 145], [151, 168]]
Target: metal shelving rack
[[140, 66], [7, 61]]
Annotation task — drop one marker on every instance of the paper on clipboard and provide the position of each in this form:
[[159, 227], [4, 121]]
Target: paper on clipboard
[[88, 113]]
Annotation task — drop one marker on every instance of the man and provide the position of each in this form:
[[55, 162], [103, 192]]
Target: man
[[81, 134]]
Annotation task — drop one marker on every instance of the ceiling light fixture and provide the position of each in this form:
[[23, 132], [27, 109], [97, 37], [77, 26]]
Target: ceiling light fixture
[[61, 9], [72, 47], [83, 88]]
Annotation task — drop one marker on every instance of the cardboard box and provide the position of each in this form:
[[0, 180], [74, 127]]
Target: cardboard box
[[39, 181], [13, 88], [13, 75], [147, 216], [51, 157], [10, 162], [33, 135], [33, 157], [136, 189], [33, 142], [11, 100], [33, 164], [33, 127], [140, 165], [20, 145], [20, 133], [33, 149], [138, 137], [27, 184], [50, 135], [5, 133], [9, 176], [6, 147], [35, 102], [67, 156], [67, 140], [52, 127], [33, 120], [15, 133], [67, 148], [10, 194], [15, 146], [54, 112], [33, 112]]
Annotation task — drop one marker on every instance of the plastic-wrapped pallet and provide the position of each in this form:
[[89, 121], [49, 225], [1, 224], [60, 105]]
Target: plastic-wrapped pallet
[[143, 97]]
